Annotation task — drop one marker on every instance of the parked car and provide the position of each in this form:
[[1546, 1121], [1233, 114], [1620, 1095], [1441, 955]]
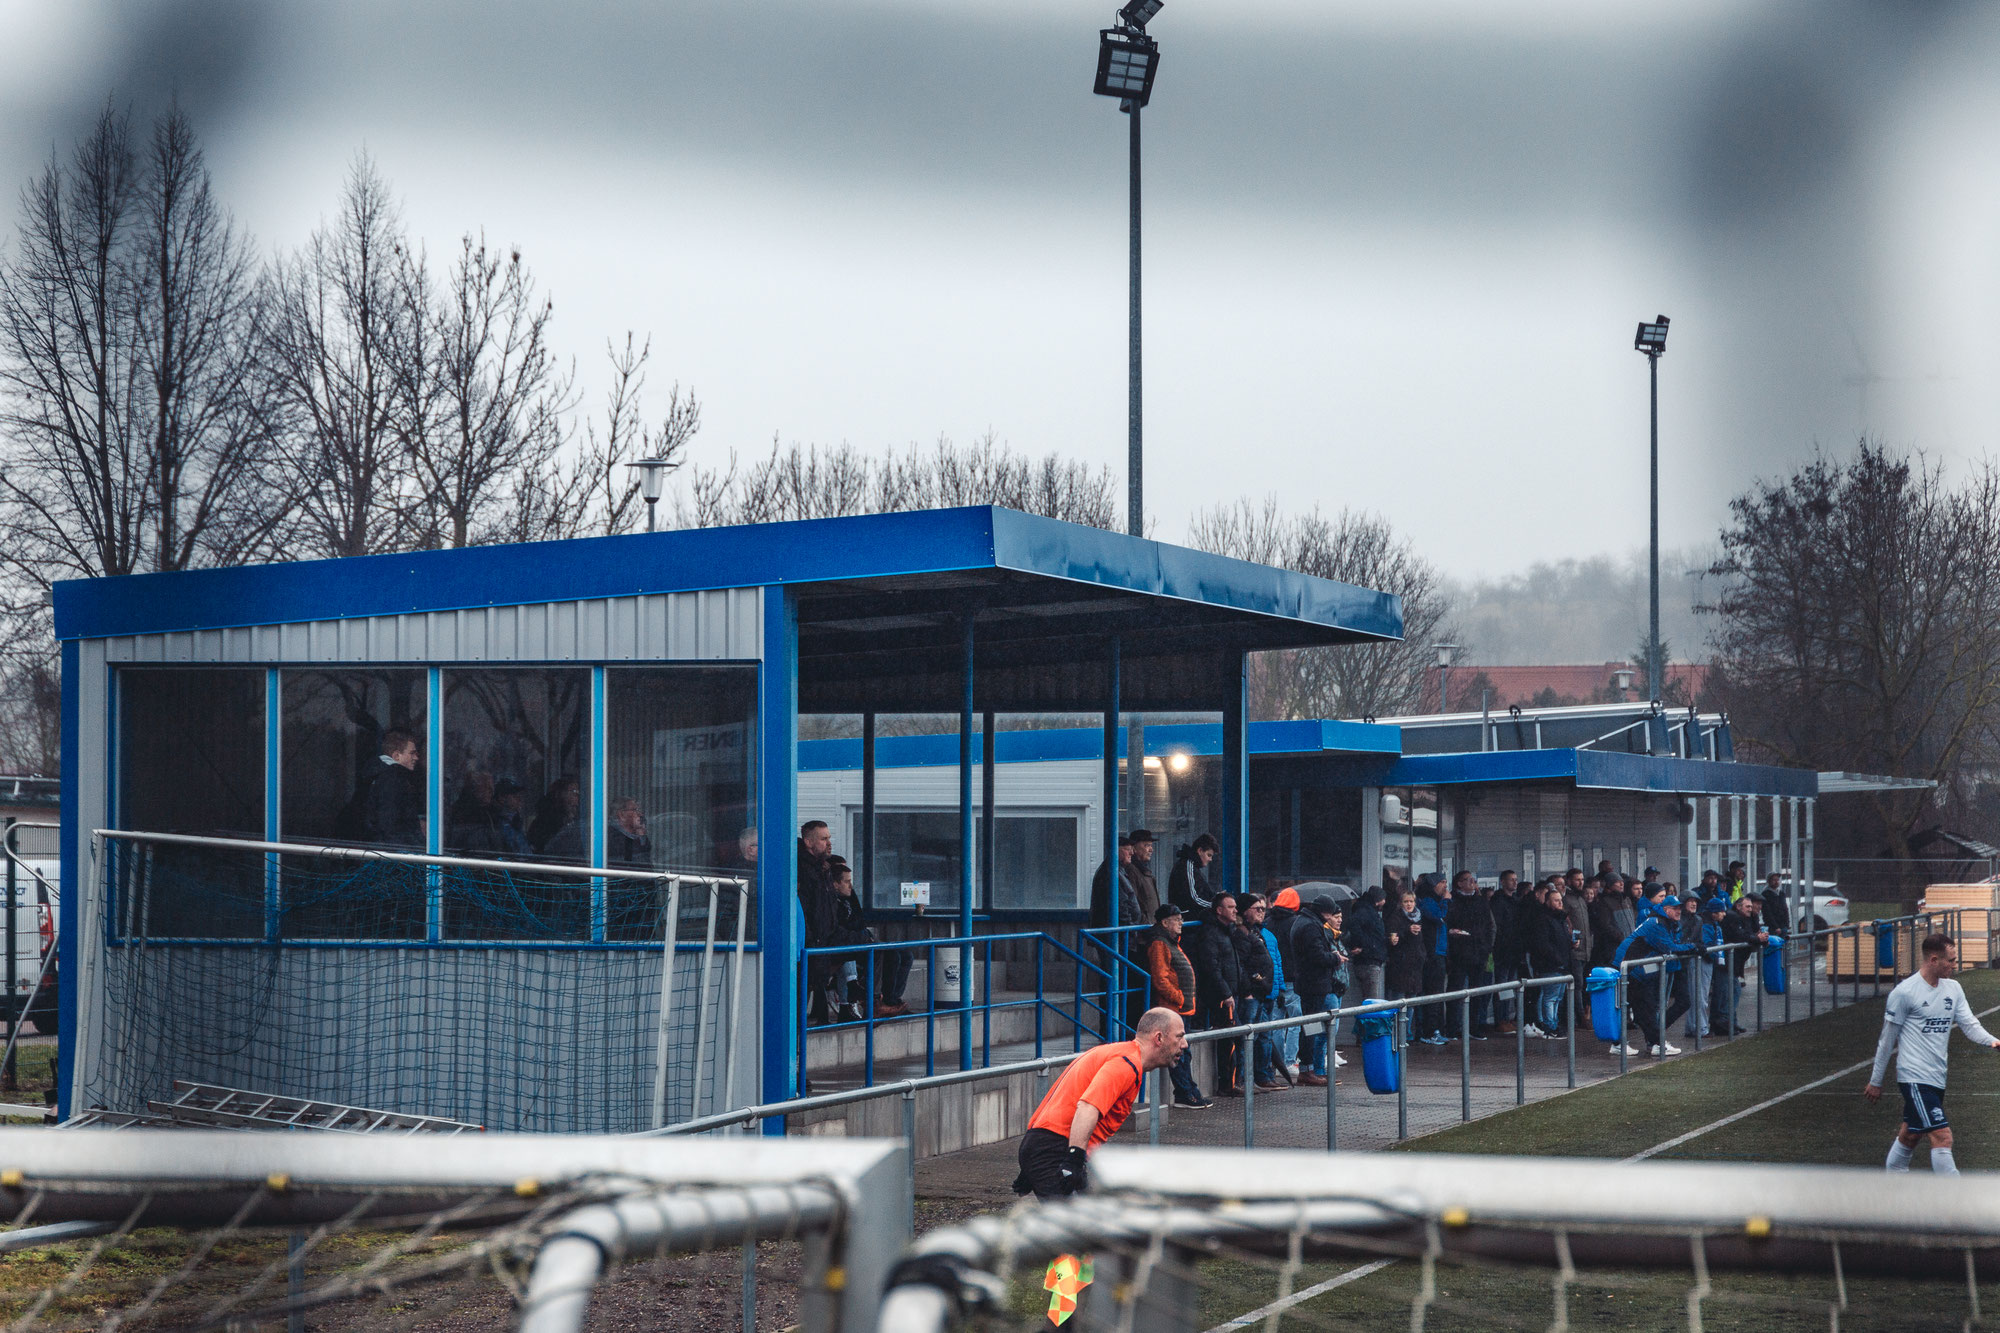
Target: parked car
[[1829, 904], [34, 940]]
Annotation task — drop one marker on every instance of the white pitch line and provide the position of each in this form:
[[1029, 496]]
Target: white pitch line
[[1265, 1312], [1679, 1139], [1356, 1274]]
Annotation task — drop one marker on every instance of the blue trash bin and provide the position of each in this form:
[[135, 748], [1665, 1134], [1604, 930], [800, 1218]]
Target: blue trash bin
[[1376, 1033], [1774, 966], [1885, 948], [1607, 1017]]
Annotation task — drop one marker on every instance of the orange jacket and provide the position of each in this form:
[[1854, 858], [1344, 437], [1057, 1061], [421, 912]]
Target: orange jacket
[[1173, 974]]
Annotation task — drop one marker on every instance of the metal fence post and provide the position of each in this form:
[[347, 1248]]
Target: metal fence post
[[1401, 1032], [750, 1285], [1785, 969], [1330, 1082], [1812, 972], [1465, 1057], [1569, 998], [1246, 1056], [295, 1281], [910, 1150], [1697, 1011], [1624, 1014], [1661, 988], [1520, 1043], [1153, 1096]]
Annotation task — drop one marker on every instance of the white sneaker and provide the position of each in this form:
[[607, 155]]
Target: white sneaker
[[1668, 1049], [1339, 1059], [1628, 1051]]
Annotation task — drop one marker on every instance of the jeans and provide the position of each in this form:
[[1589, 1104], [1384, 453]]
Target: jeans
[[1504, 971], [1698, 982], [1181, 1072], [1286, 1004], [1367, 983], [1724, 992], [1265, 1061], [1551, 1001], [1312, 1050]]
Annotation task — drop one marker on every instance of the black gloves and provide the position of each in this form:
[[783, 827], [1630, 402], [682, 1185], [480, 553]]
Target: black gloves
[[1074, 1171]]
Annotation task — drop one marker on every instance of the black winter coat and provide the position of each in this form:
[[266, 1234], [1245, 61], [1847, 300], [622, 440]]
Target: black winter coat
[[1255, 961], [1548, 942], [1468, 912], [1739, 929], [1404, 972], [1361, 930], [1777, 912], [1217, 974], [1312, 947], [1280, 923], [1187, 886]]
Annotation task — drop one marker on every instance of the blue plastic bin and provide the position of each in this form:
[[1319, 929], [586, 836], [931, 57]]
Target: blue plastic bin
[[1774, 966], [1885, 948], [1376, 1033], [1607, 1017]]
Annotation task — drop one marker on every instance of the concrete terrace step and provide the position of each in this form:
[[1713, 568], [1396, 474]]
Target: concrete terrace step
[[839, 1053]]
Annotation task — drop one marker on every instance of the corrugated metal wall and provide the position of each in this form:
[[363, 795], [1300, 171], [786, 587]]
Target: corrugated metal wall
[[717, 625], [1564, 828]]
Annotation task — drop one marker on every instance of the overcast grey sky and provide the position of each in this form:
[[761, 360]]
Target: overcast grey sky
[[1395, 249]]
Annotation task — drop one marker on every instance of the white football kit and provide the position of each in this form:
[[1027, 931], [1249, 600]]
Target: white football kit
[[1916, 1029]]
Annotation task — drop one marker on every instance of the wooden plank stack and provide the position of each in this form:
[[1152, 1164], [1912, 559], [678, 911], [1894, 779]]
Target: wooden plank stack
[[1982, 913]]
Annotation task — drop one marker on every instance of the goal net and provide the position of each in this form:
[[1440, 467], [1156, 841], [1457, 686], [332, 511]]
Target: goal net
[[1201, 1240], [210, 1229]]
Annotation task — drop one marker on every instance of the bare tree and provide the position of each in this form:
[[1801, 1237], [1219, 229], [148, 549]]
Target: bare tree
[[485, 396], [811, 481], [1369, 680], [127, 322], [589, 491], [1859, 625], [342, 328]]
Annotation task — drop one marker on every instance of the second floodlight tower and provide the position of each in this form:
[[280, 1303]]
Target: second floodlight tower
[[1652, 341], [1126, 61]]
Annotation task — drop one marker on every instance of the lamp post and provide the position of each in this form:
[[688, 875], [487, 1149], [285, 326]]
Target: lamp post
[[1652, 341], [1126, 62], [653, 481], [1444, 652]]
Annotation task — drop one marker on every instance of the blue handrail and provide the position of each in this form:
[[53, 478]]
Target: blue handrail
[[1105, 1004]]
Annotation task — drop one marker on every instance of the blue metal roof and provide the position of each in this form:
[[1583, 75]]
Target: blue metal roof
[[1087, 743], [1352, 754], [821, 552]]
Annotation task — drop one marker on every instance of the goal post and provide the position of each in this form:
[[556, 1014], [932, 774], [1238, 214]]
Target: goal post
[[1155, 1217], [551, 1213]]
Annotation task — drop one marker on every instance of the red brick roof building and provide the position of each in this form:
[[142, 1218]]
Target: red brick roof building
[[1550, 686]]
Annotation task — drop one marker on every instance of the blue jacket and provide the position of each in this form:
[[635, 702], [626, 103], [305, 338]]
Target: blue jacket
[[1655, 935], [1278, 981], [1433, 909]]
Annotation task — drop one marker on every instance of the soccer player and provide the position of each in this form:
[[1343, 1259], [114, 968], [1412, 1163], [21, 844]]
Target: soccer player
[[1916, 1026], [1089, 1103]]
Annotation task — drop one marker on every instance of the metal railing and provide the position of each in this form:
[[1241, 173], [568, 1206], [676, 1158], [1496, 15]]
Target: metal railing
[[1096, 1006]]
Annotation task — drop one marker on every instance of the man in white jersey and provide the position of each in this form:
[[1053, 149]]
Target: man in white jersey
[[1916, 1027]]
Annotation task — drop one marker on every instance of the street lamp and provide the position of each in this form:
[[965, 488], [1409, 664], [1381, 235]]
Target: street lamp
[[1444, 652], [1652, 341], [653, 481], [1127, 60]]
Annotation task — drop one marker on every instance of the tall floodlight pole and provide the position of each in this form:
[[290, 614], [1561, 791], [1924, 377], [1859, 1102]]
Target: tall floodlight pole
[[1444, 652], [1652, 340], [1126, 61]]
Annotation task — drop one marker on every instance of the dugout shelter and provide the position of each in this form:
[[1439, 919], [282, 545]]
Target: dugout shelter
[[251, 898]]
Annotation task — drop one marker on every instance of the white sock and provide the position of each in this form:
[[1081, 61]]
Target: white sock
[[1900, 1154], [1941, 1162]]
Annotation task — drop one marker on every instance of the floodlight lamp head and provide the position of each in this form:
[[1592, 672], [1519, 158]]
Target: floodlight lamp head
[[653, 476], [1444, 652], [1652, 338], [1126, 62], [1138, 13]]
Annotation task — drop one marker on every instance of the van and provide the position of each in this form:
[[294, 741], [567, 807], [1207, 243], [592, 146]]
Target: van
[[35, 916]]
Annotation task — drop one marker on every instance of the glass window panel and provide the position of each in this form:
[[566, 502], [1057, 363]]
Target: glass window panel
[[914, 845], [516, 774], [1034, 862], [336, 788], [190, 760], [679, 764]]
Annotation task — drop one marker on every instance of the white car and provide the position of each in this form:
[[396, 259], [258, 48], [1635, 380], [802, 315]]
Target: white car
[[1829, 904]]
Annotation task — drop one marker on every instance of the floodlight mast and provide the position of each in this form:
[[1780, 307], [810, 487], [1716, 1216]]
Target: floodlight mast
[[1126, 61], [1652, 341]]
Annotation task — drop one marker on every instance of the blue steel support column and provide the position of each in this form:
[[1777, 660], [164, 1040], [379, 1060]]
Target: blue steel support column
[[273, 775], [868, 807], [965, 865], [987, 746], [779, 928], [74, 873], [1235, 773], [1113, 686]]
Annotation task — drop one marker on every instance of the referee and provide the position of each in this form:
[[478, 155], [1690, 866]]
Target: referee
[[1089, 1103]]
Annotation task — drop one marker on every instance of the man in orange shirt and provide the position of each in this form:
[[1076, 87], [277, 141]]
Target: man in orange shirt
[[1089, 1103]]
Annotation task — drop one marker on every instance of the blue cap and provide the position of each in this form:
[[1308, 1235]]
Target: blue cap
[[1717, 904]]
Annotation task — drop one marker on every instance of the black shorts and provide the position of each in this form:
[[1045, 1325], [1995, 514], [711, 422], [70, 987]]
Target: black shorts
[[1043, 1153], [1923, 1107]]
